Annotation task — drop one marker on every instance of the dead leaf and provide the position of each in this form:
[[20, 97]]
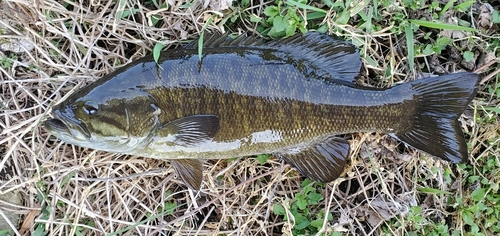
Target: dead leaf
[[15, 44], [382, 209], [448, 18], [13, 198], [217, 5], [485, 15], [29, 221]]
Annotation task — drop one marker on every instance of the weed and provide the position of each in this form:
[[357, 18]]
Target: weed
[[480, 209], [169, 205], [5, 232], [6, 62], [282, 20], [416, 224], [262, 158], [305, 221]]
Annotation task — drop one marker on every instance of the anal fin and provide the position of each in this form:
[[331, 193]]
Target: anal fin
[[190, 171], [323, 161]]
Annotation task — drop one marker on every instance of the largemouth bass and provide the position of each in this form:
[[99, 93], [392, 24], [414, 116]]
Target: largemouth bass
[[288, 97]]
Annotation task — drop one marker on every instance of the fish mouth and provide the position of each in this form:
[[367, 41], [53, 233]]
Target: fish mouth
[[63, 126]]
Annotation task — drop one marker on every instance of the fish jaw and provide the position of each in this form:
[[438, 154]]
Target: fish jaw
[[66, 128]]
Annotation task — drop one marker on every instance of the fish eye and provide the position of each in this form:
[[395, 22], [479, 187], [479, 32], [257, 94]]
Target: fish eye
[[90, 107]]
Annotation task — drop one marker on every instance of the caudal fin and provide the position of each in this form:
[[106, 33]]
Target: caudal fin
[[440, 101]]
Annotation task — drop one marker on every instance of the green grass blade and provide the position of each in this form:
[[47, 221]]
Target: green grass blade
[[410, 45], [314, 16], [433, 191], [304, 6], [440, 25], [202, 34], [446, 7], [493, 109], [157, 51]]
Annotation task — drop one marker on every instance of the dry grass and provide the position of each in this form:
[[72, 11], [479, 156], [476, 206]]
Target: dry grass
[[68, 190]]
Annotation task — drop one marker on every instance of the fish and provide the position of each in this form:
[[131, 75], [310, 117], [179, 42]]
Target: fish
[[246, 96]]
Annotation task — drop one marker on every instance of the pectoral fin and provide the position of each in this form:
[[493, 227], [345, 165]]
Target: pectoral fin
[[190, 130], [323, 162], [190, 171]]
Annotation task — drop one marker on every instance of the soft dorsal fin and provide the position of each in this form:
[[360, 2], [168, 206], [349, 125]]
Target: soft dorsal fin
[[190, 171], [333, 58], [323, 162]]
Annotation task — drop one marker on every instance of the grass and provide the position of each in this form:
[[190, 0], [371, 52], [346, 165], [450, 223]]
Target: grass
[[388, 189]]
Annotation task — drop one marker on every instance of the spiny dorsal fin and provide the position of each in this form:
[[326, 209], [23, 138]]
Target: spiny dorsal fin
[[333, 59], [190, 171], [322, 162]]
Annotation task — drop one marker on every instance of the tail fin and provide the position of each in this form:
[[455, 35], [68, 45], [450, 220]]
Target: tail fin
[[440, 101]]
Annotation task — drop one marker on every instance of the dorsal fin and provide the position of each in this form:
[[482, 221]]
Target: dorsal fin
[[335, 59]]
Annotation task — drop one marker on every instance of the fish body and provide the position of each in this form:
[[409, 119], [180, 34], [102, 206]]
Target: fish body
[[245, 97]]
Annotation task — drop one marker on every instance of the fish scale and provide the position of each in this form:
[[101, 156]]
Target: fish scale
[[250, 114]]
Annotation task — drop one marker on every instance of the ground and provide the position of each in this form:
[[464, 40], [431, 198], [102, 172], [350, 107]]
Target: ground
[[51, 48]]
